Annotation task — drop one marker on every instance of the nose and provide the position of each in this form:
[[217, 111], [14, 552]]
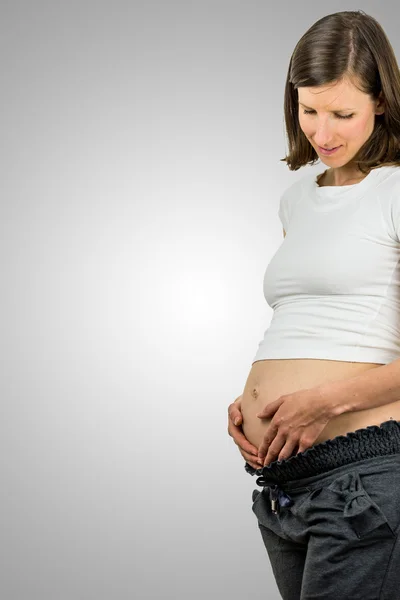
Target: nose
[[323, 135], [323, 132]]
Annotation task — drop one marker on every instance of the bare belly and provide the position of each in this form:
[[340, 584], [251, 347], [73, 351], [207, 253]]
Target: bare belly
[[270, 379]]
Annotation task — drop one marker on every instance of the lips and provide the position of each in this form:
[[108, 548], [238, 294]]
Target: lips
[[327, 152]]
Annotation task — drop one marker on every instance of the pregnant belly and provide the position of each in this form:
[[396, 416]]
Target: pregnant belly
[[270, 379]]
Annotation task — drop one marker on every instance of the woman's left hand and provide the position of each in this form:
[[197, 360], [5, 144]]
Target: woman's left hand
[[298, 419]]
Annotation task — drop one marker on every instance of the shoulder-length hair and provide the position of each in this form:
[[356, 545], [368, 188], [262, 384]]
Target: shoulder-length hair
[[353, 46]]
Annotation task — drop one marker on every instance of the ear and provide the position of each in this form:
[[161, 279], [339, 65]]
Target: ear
[[380, 105]]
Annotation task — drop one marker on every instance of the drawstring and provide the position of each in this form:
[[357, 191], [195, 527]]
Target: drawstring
[[276, 495]]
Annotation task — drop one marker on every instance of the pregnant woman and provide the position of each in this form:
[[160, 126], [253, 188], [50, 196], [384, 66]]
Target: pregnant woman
[[319, 417]]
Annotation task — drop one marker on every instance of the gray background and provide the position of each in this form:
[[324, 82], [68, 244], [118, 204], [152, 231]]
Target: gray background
[[140, 180]]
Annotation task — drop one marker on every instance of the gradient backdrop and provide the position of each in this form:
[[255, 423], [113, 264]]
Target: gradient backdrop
[[140, 181]]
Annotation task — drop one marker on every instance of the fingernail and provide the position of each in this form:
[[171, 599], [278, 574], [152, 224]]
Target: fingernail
[[237, 421]]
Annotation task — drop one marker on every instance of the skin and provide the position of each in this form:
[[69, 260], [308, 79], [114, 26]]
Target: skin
[[247, 450], [323, 127]]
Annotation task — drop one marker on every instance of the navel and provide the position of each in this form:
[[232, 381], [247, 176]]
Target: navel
[[254, 393]]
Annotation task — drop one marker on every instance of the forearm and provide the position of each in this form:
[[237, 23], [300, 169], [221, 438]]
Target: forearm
[[375, 387]]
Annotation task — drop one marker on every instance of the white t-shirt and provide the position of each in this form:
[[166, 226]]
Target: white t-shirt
[[334, 282]]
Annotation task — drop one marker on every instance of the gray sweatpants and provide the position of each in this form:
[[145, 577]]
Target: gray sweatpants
[[329, 517]]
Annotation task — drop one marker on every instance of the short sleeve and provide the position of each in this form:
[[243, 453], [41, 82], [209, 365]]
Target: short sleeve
[[389, 199], [289, 200], [283, 211], [395, 212]]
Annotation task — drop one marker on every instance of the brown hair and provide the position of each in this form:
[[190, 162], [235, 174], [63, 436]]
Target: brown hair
[[349, 45]]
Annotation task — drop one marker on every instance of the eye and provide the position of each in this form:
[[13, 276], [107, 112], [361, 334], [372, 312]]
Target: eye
[[309, 112]]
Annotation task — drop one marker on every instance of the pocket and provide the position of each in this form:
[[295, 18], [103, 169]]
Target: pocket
[[262, 509], [359, 510], [257, 496], [383, 488]]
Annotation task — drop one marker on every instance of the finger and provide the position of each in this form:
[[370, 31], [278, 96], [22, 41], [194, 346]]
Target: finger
[[268, 438], [304, 444], [288, 449], [254, 465], [269, 410], [274, 450], [240, 440], [235, 414], [251, 460]]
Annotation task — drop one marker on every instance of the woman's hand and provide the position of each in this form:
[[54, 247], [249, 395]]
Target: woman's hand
[[247, 450], [298, 419]]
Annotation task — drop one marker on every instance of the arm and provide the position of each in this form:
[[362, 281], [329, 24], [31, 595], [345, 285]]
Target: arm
[[309, 410], [370, 389]]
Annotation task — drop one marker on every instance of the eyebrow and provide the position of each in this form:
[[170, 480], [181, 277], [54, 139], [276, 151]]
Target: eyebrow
[[337, 110]]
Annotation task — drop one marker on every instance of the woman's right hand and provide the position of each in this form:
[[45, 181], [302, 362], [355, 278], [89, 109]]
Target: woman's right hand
[[247, 450]]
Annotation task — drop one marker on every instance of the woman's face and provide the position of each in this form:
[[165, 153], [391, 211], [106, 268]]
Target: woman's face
[[327, 124]]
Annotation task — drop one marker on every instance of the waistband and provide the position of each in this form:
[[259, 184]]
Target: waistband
[[368, 442]]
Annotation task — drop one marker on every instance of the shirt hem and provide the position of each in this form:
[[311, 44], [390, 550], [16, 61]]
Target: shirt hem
[[354, 356]]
